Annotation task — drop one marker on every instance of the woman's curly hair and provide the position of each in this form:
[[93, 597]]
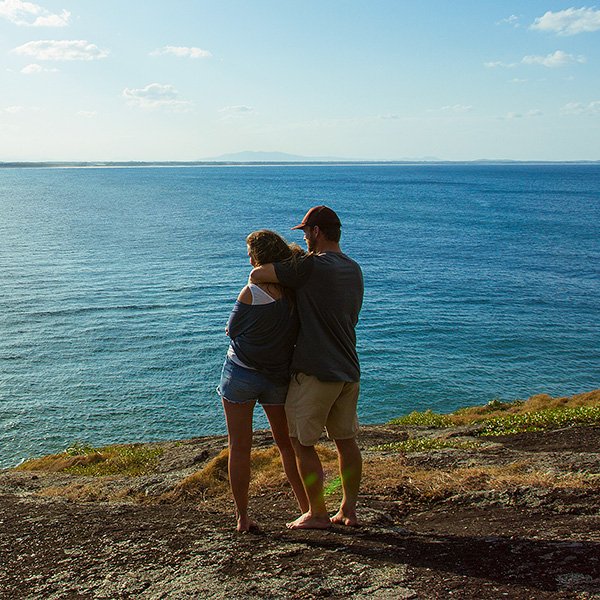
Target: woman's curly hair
[[268, 247]]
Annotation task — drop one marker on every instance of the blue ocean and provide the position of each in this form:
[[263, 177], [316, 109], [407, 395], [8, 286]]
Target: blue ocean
[[481, 282]]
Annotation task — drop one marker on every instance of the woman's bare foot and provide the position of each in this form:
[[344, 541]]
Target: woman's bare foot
[[308, 521], [246, 524], [347, 520]]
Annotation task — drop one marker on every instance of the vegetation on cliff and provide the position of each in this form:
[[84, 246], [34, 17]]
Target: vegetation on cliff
[[406, 458]]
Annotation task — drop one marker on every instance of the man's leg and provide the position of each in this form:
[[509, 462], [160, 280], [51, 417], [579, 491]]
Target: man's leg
[[350, 461], [311, 471]]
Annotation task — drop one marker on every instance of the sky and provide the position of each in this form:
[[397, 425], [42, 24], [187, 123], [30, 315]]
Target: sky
[[185, 80]]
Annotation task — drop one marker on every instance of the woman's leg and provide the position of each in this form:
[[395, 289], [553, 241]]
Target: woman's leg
[[239, 428], [279, 429]]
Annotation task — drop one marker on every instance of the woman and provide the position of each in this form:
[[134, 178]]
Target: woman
[[263, 327]]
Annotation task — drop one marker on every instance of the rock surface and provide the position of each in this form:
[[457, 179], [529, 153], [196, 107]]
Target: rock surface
[[520, 542]]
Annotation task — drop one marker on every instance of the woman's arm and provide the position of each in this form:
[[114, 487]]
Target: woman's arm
[[238, 319]]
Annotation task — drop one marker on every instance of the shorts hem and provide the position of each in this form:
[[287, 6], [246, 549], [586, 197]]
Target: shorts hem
[[343, 437], [251, 400]]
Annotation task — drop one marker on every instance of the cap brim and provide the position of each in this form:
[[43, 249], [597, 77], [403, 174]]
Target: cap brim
[[299, 226]]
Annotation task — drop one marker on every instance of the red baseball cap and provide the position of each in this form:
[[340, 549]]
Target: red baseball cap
[[321, 216]]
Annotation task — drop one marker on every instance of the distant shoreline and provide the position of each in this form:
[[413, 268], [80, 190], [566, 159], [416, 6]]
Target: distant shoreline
[[129, 164]]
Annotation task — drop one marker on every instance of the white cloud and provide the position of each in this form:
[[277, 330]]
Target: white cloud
[[27, 13], [61, 50], [236, 112], [53, 20], [35, 68], [13, 109], [569, 22], [578, 108], [518, 115], [518, 80], [498, 63], [184, 51], [458, 108], [512, 20], [156, 95], [32, 69], [558, 59], [388, 117], [87, 113]]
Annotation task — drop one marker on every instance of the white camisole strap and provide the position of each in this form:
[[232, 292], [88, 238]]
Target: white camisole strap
[[259, 296]]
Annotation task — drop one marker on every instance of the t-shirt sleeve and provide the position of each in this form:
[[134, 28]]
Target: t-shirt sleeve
[[294, 274]]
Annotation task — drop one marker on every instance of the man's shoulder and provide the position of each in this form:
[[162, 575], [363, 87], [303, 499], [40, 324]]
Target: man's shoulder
[[295, 273], [332, 256], [302, 263], [336, 260]]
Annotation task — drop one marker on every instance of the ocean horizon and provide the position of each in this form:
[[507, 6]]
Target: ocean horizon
[[481, 282]]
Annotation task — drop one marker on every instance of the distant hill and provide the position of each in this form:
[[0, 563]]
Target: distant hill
[[420, 160], [249, 156]]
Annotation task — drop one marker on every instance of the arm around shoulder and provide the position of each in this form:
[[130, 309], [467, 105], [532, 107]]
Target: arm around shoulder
[[264, 274]]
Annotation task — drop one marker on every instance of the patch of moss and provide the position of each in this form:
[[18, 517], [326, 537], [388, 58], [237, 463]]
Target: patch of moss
[[423, 444], [426, 419], [536, 414], [542, 420]]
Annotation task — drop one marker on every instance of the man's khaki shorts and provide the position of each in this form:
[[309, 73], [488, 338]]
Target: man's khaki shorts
[[312, 405]]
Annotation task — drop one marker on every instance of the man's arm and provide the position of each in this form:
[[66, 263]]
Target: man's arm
[[264, 274]]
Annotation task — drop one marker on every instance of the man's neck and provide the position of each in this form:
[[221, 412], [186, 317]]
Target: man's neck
[[327, 246]]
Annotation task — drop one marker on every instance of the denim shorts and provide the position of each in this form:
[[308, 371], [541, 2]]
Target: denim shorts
[[245, 385]]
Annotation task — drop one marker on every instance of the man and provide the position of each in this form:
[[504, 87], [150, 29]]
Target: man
[[324, 388]]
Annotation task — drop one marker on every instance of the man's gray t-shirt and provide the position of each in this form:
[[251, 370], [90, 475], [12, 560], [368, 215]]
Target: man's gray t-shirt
[[329, 293]]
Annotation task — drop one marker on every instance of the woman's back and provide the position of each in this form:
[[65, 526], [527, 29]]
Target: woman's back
[[263, 335]]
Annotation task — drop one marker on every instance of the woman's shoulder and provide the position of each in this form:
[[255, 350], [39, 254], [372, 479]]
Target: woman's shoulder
[[245, 296]]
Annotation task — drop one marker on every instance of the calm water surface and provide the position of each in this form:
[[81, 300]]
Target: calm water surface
[[481, 282]]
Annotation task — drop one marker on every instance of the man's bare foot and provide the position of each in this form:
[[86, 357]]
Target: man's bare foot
[[347, 520], [308, 521], [245, 525]]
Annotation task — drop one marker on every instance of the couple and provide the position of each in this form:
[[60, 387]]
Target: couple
[[312, 301]]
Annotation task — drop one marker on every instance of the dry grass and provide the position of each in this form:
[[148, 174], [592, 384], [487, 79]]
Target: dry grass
[[213, 481], [389, 477], [541, 402], [57, 463], [122, 459]]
